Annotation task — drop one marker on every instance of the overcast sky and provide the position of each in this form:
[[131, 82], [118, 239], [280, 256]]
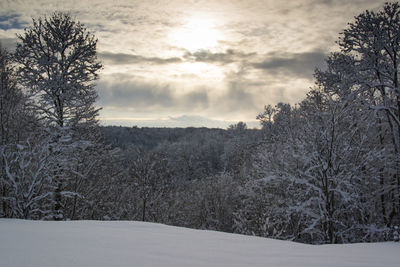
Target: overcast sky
[[196, 62]]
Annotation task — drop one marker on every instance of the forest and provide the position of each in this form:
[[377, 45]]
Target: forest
[[325, 170]]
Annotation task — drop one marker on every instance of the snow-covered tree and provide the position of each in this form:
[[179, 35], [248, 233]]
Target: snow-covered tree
[[10, 99], [238, 128], [16, 120], [373, 40], [57, 63], [266, 121], [310, 181], [150, 179], [28, 175], [341, 79], [338, 156]]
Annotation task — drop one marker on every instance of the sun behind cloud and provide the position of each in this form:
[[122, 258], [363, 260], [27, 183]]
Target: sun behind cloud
[[199, 32]]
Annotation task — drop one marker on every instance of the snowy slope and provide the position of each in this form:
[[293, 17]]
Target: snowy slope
[[98, 244]]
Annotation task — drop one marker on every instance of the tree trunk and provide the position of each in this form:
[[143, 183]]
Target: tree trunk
[[144, 210], [58, 212]]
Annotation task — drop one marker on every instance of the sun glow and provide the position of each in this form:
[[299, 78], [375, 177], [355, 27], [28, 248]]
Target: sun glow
[[197, 33]]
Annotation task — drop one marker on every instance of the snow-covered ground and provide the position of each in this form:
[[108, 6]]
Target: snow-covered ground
[[115, 244]]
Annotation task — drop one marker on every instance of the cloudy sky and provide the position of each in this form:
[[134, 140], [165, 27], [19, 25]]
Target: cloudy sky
[[197, 62]]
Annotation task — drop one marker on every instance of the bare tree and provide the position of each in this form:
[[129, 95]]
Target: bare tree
[[373, 41], [28, 176], [150, 177], [14, 117]]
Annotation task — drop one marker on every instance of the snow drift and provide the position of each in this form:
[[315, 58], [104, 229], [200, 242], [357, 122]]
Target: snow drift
[[99, 243]]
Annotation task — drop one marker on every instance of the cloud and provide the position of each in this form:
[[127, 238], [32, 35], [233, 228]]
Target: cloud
[[122, 58], [142, 95], [229, 56], [11, 21], [239, 97], [197, 99], [134, 94], [301, 65], [8, 43], [266, 52]]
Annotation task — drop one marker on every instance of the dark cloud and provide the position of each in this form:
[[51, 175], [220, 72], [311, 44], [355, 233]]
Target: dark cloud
[[144, 95], [196, 99], [330, 3], [226, 57], [239, 97], [122, 58], [229, 56], [132, 94], [301, 65], [11, 21]]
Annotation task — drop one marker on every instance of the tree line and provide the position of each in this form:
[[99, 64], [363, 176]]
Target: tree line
[[326, 170]]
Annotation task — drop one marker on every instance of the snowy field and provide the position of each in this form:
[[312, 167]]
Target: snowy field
[[117, 244]]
